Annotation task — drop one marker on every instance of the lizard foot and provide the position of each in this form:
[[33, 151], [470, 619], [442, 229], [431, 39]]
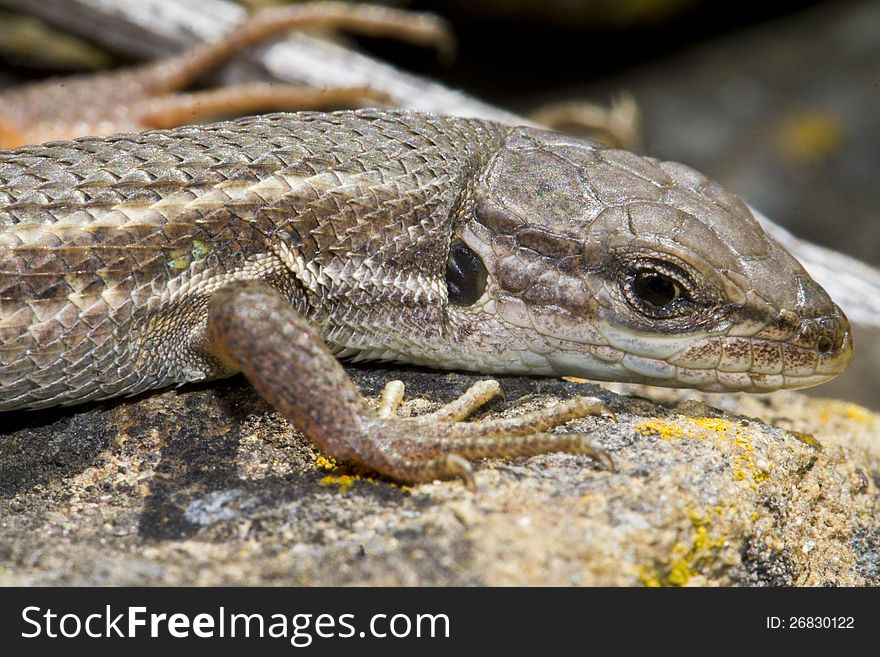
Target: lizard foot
[[479, 394], [255, 329], [437, 445]]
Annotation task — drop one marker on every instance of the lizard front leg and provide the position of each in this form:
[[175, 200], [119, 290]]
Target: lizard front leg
[[253, 328]]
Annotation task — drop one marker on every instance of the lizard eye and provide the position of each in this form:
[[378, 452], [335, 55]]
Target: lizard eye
[[655, 289], [465, 275], [658, 290]]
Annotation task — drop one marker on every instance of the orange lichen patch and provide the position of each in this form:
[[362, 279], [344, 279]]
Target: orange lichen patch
[[721, 431], [575, 379]]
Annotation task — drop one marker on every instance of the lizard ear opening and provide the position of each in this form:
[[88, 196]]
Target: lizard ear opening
[[465, 275]]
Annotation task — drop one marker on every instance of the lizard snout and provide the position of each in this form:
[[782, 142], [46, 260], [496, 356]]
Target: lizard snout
[[820, 341], [829, 334]]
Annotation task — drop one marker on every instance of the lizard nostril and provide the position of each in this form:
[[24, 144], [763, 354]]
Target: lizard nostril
[[824, 344], [826, 334], [832, 334]]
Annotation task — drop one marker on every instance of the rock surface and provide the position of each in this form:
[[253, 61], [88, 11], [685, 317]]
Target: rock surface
[[209, 486]]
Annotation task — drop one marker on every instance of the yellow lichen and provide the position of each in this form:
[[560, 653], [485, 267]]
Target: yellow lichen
[[679, 574], [858, 413], [806, 438], [830, 410], [661, 429], [687, 558], [345, 477], [344, 481], [648, 577], [722, 431], [713, 423], [326, 462]]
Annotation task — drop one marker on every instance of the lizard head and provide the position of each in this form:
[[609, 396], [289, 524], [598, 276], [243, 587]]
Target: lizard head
[[596, 262]]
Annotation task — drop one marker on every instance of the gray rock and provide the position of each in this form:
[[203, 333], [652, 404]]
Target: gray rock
[[209, 486]]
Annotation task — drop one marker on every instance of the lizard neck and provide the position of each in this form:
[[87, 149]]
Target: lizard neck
[[368, 245]]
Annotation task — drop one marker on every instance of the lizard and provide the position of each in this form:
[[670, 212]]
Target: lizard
[[274, 245]]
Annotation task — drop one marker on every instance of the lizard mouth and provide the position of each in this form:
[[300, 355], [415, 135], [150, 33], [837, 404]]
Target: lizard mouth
[[749, 353], [784, 354], [713, 364], [761, 365]]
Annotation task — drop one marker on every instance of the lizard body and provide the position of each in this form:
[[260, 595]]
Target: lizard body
[[265, 244]]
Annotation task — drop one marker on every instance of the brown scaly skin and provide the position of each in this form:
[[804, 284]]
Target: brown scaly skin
[[267, 244]]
